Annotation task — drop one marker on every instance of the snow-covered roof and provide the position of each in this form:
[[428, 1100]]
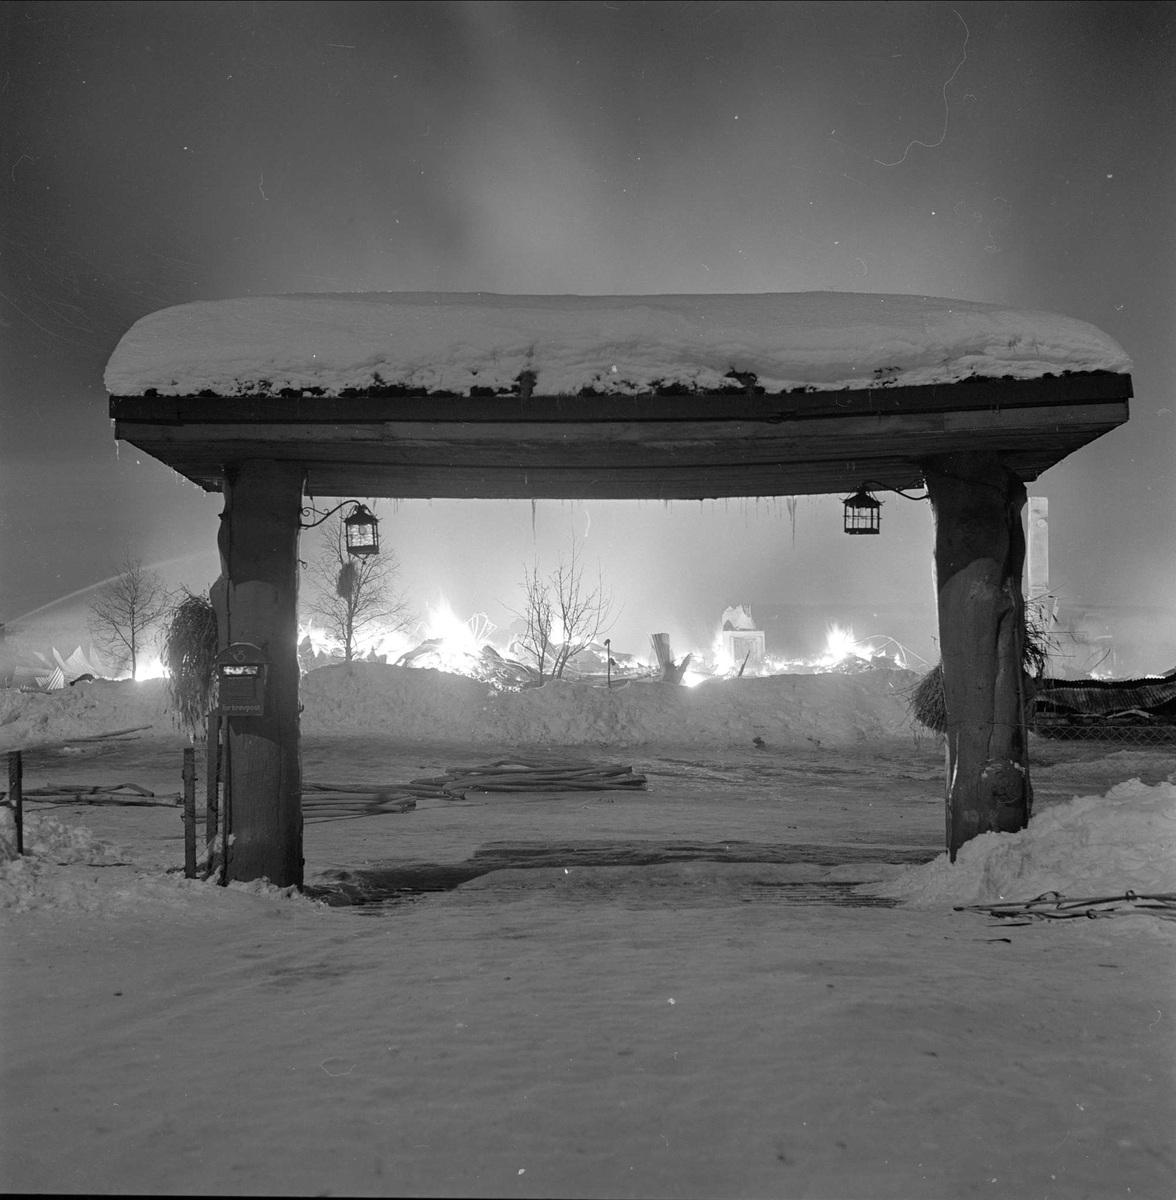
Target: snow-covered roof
[[448, 342]]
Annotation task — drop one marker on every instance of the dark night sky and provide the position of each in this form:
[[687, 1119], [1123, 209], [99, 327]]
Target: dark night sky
[[153, 154]]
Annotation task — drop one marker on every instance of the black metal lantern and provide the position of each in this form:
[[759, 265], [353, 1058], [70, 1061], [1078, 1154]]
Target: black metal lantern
[[863, 514], [362, 532]]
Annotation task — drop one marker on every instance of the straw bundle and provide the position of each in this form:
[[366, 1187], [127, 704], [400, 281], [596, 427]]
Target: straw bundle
[[189, 651], [927, 706]]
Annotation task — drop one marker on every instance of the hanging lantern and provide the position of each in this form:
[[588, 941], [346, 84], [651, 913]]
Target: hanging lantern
[[863, 514], [362, 531]]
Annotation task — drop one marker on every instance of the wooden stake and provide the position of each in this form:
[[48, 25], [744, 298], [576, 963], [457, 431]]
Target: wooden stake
[[262, 814], [189, 777], [979, 555], [16, 795], [212, 782]]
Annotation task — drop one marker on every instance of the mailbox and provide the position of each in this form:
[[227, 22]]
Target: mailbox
[[242, 673]]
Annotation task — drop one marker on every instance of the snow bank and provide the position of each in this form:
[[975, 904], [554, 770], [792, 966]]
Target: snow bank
[[1092, 846], [65, 867], [411, 703], [35, 880], [84, 710], [45, 837], [421, 705], [453, 342], [375, 700]]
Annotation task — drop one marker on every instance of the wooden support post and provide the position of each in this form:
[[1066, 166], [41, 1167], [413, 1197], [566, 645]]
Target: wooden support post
[[189, 778], [258, 540], [979, 555], [16, 795], [212, 780]]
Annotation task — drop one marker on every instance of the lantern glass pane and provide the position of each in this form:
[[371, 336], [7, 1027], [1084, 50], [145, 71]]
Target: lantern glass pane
[[361, 530], [361, 539]]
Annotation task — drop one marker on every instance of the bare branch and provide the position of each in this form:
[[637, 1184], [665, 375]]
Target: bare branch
[[563, 615], [537, 617], [354, 596], [124, 612]]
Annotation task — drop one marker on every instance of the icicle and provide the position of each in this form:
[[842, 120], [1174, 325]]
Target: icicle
[[532, 521], [791, 502]]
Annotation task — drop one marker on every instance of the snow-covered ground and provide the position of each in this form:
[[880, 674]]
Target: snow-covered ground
[[623, 1031], [1125, 839]]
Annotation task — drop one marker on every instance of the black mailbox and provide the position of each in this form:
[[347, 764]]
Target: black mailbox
[[242, 672]]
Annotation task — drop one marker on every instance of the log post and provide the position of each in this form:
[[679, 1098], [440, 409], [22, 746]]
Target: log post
[[212, 776], [258, 592], [189, 778], [16, 795], [979, 556]]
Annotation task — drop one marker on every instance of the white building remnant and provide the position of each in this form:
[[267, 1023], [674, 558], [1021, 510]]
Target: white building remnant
[[742, 642]]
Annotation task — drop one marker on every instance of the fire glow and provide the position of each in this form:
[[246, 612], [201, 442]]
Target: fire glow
[[443, 641]]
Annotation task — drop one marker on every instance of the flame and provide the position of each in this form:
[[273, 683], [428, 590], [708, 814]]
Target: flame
[[150, 668], [840, 644], [458, 643], [723, 659], [445, 642], [842, 649], [457, 636]]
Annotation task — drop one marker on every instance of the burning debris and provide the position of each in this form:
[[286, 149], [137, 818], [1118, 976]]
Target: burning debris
[[487, 664], [470, 647]]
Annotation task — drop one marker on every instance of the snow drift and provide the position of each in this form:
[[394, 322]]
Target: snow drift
[[84, 710], [1092, 846]]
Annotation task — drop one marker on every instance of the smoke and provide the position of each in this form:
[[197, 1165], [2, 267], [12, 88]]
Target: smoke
[[167, 153], [672, 567]]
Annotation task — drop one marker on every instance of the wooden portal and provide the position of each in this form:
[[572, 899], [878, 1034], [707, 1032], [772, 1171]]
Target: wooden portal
[[257, 603], [979, 556], [975, 442]]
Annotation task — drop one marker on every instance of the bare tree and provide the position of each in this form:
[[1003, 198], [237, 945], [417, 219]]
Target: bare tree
[[563, 614], [537, 617], [124, 612], [354, 595]]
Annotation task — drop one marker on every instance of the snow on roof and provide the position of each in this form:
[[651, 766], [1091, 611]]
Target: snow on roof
[[453, 342]]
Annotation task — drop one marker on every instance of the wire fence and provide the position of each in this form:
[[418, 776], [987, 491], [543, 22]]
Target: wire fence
[[1094, 729]]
